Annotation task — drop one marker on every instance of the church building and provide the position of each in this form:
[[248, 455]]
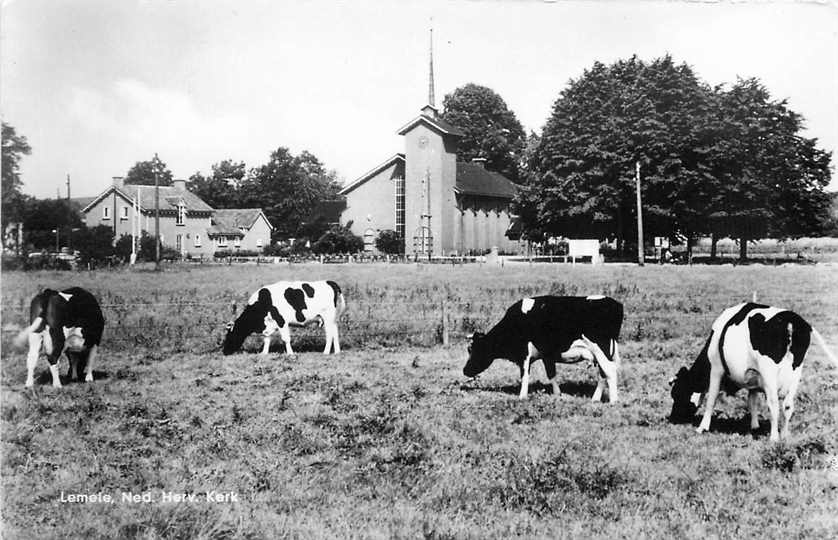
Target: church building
[[440, 206]]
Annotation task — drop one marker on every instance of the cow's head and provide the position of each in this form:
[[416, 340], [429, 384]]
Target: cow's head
[[479, 355], [252, 319], [683, 409]]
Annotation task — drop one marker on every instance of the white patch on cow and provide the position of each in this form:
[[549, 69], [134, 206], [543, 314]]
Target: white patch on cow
[[594, 297], [695, 398], [527, 304], [65, 296]]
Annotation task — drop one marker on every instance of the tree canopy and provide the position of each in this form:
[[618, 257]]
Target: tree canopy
[[143, 173], [288, 188], [712, 160], [491, 130], [14, 148], [219, 190]]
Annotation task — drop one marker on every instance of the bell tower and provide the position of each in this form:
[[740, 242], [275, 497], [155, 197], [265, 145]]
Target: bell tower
[[430, 174]]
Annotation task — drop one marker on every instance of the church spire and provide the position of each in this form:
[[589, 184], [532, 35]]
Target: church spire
[[431, 100]]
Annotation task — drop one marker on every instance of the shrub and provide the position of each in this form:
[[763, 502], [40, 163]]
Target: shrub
[[338, 240], [389, 241], [94, 244]]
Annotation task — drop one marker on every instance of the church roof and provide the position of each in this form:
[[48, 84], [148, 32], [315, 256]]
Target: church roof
[[369, 174], [437, 123], [473, 179]]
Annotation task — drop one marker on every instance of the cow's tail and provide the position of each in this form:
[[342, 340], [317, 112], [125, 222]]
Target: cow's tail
[[340, 305], [23, 336], [824, 348]]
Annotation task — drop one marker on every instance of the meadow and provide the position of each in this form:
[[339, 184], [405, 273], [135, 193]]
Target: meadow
[[388, 439]]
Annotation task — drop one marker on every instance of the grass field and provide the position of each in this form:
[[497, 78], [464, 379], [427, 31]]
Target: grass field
[[388, 439]]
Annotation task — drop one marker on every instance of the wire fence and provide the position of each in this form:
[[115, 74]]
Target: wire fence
[[189, 326]]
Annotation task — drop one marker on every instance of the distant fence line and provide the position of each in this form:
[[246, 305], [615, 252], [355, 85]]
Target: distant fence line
[[365, 323]]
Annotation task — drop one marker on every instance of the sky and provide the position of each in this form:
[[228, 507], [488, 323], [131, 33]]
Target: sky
[[98, 85]]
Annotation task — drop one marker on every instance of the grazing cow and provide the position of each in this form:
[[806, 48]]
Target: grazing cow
[[68, 321], [751, 346], [274, 308], [550, 328]]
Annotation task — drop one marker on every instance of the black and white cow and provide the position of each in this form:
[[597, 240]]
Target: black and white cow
[[751, 346], [68, 321], [275, 308], [550, 328]]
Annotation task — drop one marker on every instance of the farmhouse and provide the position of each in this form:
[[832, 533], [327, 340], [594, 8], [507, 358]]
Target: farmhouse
[[439, 205], [187, 223]]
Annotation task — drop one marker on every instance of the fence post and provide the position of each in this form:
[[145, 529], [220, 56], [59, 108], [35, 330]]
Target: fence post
[[445, 340], [754, 297]]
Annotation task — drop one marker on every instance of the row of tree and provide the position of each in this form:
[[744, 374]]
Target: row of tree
[[720, 161], [714, 160]]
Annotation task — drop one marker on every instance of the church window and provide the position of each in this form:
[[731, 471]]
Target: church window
[[399, 204]]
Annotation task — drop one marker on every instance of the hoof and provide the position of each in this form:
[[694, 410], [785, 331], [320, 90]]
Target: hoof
[[88, 377]]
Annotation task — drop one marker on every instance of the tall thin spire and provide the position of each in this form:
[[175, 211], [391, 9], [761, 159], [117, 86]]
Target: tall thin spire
[[431, 100]]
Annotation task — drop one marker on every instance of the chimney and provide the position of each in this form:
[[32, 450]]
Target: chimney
[[479, 161], [180, 185], [118, 182]]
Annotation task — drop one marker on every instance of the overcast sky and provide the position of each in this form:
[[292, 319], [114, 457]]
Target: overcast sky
[[97, 85]]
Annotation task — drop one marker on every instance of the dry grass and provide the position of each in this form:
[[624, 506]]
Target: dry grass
[[389, 440]]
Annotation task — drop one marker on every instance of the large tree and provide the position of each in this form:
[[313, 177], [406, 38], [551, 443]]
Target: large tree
[[581, 174], [220, 189], [491, 130], [14, 147], [143, 173], [771, 179], [729, 162], [288, 188]]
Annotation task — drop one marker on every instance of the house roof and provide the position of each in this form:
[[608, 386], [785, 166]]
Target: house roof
[[169, 197], [395, 158], [233, 219], [437, 123], [473, 179]]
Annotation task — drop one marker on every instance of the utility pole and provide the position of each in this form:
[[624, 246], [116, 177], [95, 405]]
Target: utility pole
[[68, 187], [640, 255], [156, 215]]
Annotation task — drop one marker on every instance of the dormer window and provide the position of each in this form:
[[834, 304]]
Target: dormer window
[[181, 213]]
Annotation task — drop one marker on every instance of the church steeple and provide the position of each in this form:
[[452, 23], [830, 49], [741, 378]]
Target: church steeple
[[431, 100], [430, 109]]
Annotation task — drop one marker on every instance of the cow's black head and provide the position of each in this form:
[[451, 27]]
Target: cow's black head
[[252, 319], [479, 355], [683, 409]]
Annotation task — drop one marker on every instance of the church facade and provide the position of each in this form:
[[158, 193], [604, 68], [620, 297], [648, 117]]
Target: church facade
[[438, 205]]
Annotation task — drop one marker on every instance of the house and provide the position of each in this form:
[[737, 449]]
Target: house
[[439, 205], [247, 229], [187, 223]]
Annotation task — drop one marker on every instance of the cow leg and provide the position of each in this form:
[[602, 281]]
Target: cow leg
[[710, 400], [327, 328], [266, 346], [753, 406], [335, 336], [91, 355], [35, 341], [285, 334], [773, 402], [56, 336], [552, 377], [607, 368], [600, 387], [788, 403], [525, 379]]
